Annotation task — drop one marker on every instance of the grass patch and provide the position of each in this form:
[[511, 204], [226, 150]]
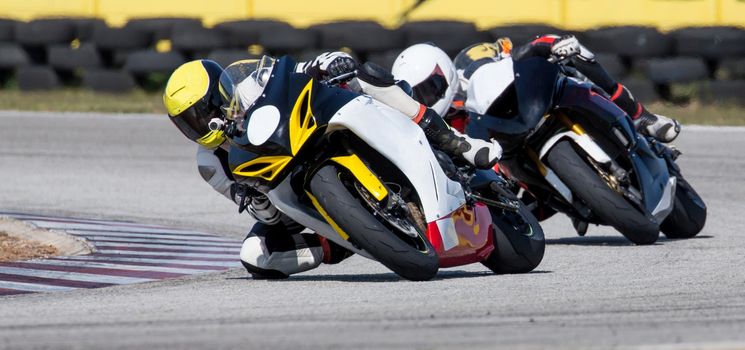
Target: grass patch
[[75, 100], [695, 113]]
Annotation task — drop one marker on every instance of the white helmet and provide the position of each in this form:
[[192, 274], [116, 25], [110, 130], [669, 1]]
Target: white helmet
[[431, 74]]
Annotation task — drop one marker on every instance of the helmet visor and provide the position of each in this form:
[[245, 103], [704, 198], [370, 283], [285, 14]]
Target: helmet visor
[[193, 122], [432, 89]]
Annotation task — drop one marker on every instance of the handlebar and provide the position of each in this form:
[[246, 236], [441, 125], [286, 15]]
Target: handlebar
[[340, 78]]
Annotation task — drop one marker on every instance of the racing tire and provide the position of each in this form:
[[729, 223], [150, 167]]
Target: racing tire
[[367, 232], [710, 42], [43, 32], [12, 56], [121, 38], [689, 213], [359, 36], [608, 205], [64, 57], [163, 28], [516, 251], [37, 78], [643, 90], [108, 80], [676, 70], [7, 30], [450, 36], [288, 40], [727, 92], [628, 41]]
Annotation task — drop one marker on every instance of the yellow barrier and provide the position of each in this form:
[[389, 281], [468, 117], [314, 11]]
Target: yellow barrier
[[490, 13], [30, 9], [573, 14], [302, 13], [117, 12]]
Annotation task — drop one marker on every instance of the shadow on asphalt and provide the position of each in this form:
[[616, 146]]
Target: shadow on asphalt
[[385, 277], [611, 241]]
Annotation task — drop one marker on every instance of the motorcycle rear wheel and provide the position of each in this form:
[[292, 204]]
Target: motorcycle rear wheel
[[689, 213], [368, 233], [604, 202]]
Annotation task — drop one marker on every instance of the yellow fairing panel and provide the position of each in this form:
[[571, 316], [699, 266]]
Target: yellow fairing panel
[[302, 123], [363, 174], [327, 217], [266, 168]]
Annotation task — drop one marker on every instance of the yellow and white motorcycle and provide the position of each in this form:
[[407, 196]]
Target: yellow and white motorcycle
[[364, 176]]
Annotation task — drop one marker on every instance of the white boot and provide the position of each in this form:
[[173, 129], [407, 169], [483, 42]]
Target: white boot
[[660, 127], [482, 154]]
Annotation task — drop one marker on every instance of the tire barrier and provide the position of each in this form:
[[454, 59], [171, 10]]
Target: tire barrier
[[37, 78], [628, 41], [50, 50], [108, 80], [125, 253], [675, 70]]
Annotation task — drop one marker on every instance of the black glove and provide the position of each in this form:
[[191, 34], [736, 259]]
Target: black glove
[[242, 195], [330, 65]]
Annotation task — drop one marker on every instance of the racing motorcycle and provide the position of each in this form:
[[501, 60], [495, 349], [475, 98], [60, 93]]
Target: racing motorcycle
[[573, 150], [364, 176]]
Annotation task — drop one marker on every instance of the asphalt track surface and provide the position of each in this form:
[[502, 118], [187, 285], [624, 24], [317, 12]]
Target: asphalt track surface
[[596, 291]]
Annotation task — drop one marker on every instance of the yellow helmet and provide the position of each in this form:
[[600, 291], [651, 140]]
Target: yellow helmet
[[192, 98]]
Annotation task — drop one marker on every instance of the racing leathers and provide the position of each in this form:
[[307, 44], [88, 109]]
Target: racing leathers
[[660, 127], [275, 247]]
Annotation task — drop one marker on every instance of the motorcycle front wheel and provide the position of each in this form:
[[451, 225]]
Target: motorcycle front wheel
[[411, 258], [607, 204]]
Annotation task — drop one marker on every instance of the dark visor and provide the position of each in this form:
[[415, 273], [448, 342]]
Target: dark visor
[[194, 120], [431, 89]]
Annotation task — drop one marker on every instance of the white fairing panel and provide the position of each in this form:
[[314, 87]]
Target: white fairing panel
[[402, 142], [667, 201], [262, 124], [584, 141], [488, 83]]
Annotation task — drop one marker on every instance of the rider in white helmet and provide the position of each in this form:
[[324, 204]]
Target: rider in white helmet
[[575, 55], [434, 83]]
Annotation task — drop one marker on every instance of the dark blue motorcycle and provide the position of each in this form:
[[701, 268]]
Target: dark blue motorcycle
[[574, 151]]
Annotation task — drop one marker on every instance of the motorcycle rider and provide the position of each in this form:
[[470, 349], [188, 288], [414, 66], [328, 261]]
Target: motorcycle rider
[[576, 56], [275, 247]]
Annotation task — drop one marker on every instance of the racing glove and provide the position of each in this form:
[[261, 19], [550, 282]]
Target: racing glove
[[256, 203], [329, 65], [565, 46]]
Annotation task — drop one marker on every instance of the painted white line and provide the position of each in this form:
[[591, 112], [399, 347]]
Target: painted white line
[[185, 255], [109, 228], [149, 235], [181, 249], [174, 243], [72, 276], [119, 266], [226, 264], [696, 127], [30, 287]]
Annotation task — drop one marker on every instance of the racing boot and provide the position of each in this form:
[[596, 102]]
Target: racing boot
[[659, 127], [479, 153]]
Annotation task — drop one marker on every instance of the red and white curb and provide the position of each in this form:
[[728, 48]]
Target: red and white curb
[[124, 253]]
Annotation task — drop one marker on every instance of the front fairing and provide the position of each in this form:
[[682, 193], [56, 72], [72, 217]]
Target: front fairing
[[283, 119], [536, 83]]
